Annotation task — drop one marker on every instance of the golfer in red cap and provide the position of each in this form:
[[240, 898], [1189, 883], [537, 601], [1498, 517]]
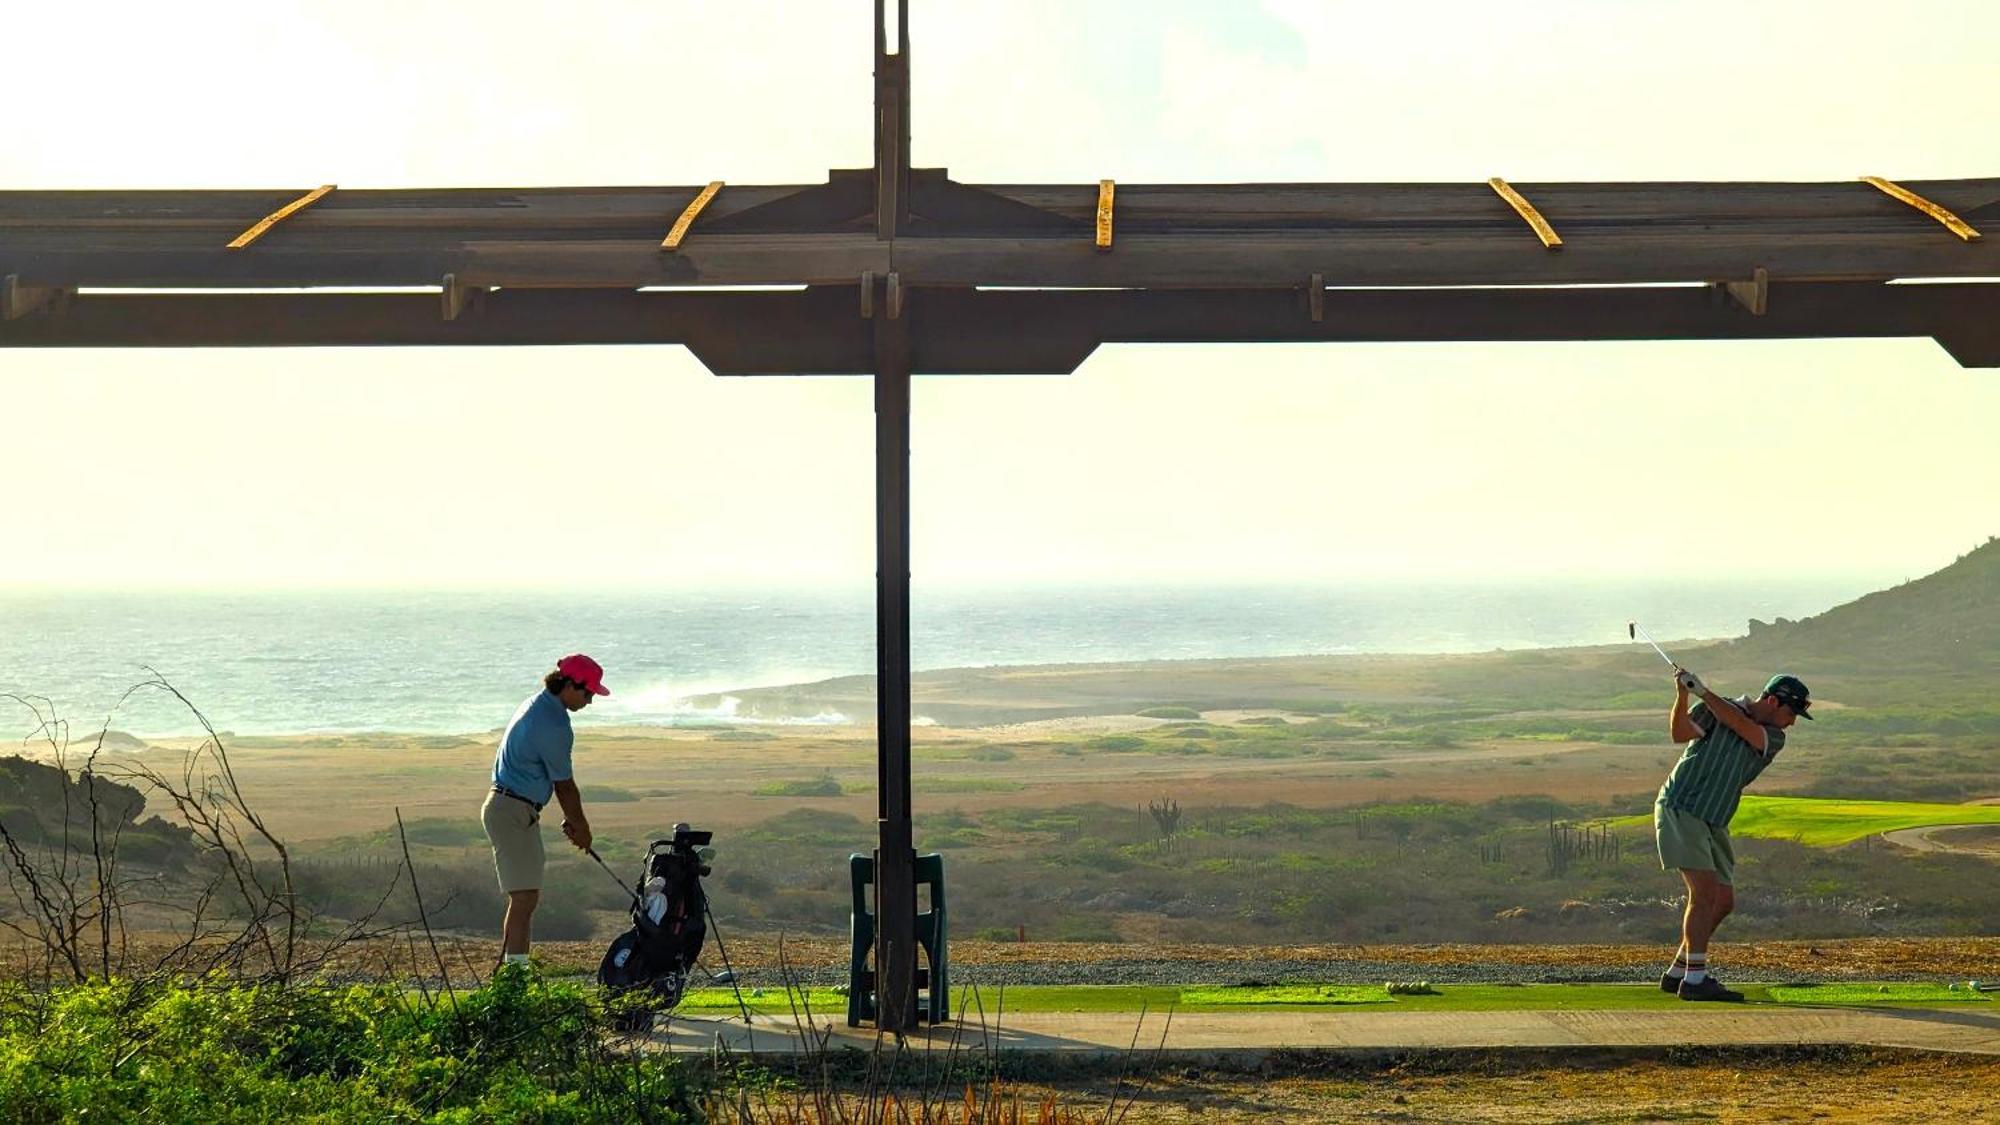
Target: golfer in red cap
[[532, 764]]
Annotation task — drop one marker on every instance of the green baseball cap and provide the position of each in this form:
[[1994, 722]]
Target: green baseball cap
[[1790, 691]]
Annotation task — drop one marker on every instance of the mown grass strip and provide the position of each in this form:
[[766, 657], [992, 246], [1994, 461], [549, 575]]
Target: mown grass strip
[[1826, 822], [1309, 997]]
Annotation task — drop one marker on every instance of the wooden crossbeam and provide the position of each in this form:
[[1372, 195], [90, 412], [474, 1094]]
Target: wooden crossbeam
[[681, 225], [1107, 190], [1526, 210], [1951, 222], [265, 224]]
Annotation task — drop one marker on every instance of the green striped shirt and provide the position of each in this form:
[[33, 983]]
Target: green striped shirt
[[1709, 779]]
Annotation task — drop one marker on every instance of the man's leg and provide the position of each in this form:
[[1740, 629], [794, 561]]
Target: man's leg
[[1709, 900], [515, 928]]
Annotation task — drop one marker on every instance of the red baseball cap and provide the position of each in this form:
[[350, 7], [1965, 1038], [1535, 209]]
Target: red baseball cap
[[585, 671]]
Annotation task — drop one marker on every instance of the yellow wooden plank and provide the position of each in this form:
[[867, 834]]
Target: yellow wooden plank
[[1527, 211], [278, 216], [1951, 222], [1106, 190], [681, 225]]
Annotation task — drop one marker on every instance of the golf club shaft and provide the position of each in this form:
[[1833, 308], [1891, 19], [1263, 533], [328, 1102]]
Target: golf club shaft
[[1632, 630], [592, 853]]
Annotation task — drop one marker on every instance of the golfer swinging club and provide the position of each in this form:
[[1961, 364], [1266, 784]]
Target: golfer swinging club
[[1729, 742], [531, 764]]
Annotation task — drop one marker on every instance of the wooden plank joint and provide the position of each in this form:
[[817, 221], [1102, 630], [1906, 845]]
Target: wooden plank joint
[[1550, 239], [680, 228], [1107, 191], [1952, 223], [457, 297], [265, 224], [1316, 297], [1755, 294], [18, 300]]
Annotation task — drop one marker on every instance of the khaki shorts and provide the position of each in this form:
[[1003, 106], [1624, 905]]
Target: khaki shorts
[[515, 831], [1687, 842]]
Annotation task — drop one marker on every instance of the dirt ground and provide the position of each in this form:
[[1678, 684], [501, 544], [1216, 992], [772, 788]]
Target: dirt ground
[[1858, 1087]]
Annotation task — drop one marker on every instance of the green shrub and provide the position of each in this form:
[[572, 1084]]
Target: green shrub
[[825, 785]]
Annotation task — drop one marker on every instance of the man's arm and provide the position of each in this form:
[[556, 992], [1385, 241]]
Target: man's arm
[[1732, 716], [574, 825], [1682, 728]]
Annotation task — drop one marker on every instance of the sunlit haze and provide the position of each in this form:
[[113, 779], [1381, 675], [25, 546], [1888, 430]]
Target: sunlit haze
[[633, 466]]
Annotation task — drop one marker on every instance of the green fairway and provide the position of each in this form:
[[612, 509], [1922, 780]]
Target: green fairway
[[1902, 993], [1829, 823], [1297, 997]]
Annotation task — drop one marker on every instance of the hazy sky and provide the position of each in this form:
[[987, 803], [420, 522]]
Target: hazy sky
[[626, 465]]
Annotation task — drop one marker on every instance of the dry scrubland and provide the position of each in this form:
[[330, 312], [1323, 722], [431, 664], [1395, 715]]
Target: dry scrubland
[[1369, 799]]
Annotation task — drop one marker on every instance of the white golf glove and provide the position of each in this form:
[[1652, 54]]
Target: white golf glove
[[1691, 682]]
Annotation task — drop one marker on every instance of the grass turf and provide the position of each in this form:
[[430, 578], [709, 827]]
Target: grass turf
[[1829, 823], [1447, 998]]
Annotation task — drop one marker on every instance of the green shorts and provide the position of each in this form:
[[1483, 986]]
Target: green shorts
[[1687, 842]]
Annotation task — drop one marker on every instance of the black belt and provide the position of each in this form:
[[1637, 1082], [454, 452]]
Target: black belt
[[506, 792]]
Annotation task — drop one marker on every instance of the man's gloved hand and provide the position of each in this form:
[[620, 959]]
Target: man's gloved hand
[[1690, 682]]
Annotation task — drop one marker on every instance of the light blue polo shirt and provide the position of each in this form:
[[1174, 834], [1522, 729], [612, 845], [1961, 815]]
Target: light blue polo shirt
[[534, 753]]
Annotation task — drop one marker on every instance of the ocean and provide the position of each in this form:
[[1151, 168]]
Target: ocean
[[459, 661]]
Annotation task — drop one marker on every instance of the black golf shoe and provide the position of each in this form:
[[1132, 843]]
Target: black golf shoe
[[1669, 983], [1709, 989]]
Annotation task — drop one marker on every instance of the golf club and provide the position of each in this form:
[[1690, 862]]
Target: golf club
[[1632, 630]]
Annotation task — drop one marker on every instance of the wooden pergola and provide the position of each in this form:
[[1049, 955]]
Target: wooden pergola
[[891, 271]]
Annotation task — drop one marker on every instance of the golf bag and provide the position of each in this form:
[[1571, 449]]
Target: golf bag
[[669, 921]]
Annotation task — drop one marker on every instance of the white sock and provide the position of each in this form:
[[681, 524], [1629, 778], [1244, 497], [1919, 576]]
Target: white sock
[[515, 959], [1697, 968]]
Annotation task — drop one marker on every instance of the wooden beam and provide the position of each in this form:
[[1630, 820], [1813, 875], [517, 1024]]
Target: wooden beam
[[893, 297], [1316, 297], [1525, 209], [1107, 191], [681, 225], [18, 300], [1754, 294], [264, 225], [867, 294], [968, 331], [1952, 223]]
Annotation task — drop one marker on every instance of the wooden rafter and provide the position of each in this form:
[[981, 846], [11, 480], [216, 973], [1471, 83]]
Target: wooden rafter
[[1952, 223], [264, 225], [681, 225], [1550, 239]]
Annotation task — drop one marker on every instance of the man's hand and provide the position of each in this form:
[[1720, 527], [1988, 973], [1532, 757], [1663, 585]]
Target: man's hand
[[1690, 682], [578, 831]]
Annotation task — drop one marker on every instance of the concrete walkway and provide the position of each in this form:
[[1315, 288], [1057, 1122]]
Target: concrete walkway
[[1247, 1036]]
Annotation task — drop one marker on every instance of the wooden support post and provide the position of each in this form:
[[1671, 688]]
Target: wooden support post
[[1525, 209], [867, 294], [1753, 294], [264, 225], [457, 296], [1316, 297], [18, 300], [893, 297], [895, 856], [681, 225], [1107, 191], [1952, 223]]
